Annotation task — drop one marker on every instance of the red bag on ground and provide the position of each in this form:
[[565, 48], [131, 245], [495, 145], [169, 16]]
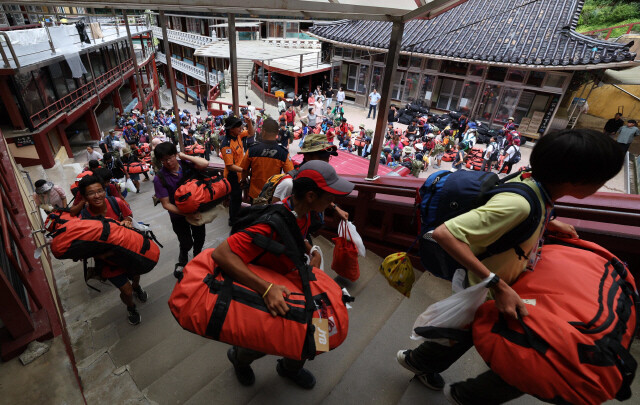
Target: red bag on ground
[[345, 256]]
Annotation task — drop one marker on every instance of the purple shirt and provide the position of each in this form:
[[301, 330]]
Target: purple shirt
[[172, 181]]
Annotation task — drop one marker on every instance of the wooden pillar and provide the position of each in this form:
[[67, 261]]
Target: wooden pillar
[[269, 83], [383, 106], [117, 100], [65, 141], [92, 124], [133, 87], [310, 88], [45, 154], [170, 75], [295, 86], [10, 104], [233, 61]]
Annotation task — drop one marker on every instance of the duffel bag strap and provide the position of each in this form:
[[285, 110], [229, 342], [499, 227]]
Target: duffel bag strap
[[528, 339], [225, 295]]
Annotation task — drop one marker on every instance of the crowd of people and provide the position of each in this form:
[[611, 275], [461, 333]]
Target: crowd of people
[[254, 151]]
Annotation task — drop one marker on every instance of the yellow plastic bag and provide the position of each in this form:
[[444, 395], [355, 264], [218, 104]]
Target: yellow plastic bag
[[398, 271]]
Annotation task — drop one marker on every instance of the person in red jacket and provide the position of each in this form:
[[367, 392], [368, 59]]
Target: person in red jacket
[[290, 116]]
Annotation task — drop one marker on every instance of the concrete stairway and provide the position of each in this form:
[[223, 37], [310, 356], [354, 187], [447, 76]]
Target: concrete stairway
[[244, 69], [159, 362]]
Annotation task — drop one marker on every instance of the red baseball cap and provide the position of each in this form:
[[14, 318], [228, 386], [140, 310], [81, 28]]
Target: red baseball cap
[[325, 177]]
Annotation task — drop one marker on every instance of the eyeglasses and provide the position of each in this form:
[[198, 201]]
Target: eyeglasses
[[168, 158], [96, 193]]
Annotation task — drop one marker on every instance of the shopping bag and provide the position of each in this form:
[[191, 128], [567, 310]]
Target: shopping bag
[[398, 271], [454, 312], [345, 256], [129, 186], [353, 236]]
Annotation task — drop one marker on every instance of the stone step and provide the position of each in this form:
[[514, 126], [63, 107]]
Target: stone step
[[375, 302]]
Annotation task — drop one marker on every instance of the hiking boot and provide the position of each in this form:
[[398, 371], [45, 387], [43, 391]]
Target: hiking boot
[[244, 374], [450, 393], [302, 378], [140, 294], [433, 381], [133, 317], [177, 272]]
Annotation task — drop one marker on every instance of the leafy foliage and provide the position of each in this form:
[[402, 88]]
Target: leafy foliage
[[607, 13]]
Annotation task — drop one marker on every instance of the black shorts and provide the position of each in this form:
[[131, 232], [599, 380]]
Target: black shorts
[[119, 280]]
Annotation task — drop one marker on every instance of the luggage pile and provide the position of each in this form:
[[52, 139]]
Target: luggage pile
[[474, 159], [449, 156]]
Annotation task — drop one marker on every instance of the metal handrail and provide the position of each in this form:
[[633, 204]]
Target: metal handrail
[[610, 29], [13, 52]]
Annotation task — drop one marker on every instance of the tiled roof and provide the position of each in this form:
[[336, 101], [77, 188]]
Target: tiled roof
[[525, 32]]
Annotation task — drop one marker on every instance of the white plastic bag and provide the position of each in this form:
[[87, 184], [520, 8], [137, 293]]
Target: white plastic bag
[[130, 187], [455, 312], [355, 237]]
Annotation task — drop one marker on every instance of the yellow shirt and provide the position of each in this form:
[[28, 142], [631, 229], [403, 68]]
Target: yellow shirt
[[484, 225]]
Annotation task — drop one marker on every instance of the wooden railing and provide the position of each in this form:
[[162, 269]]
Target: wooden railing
[[610, 29]]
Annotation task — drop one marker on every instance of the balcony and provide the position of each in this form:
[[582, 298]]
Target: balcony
[[28, 47], [85, 93], [189, 39], [189, 69]]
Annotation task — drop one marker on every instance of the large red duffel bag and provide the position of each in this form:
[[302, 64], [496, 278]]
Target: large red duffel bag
[[136, 167], [209, 303], [56, 218], [574, 345], [124, 247], [201, 194], [195, 149]]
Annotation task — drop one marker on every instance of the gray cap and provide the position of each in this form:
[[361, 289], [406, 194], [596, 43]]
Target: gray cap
[[325, 177]]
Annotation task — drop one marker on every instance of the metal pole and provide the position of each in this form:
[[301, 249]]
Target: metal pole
[[392, 61], [53, 49], [93, 11], [170, 79], [207, 80], [262, 85], [116, 22], [135, 63], [233, 62]]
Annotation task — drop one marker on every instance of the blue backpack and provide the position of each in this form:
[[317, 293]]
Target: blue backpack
[[445, 195]]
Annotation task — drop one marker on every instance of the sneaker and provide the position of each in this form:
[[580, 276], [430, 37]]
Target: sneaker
[[433, 381], [133, 317], [177, 272], [302, 378], [244, 374], [183, 258], [140, 294], [450, 393]]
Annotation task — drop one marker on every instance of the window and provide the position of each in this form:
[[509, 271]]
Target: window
[[337, 51], [449, 94], [85, 61], [507, 105], [476, 70], [44, 86], [380, 57], [352, 76], [363, 76], [28, 89], [335, 74], [58, 78], [469, 91], [454, 68], [554, 80], [365, 56], [293, 30], [426, 89], [276, 30], [376, 78], [412, 86], [415, 62], [403, 61], [347, 53], [397, 84], [357, 53], [489, 102], [535, 79], [497, 73], [432, 64], [516, 75], [522, 109]]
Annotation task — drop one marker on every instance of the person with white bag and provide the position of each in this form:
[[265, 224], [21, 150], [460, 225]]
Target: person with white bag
[[445, 324]]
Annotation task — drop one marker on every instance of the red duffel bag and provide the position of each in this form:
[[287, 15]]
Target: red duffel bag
[[57, 217], [209, 303], [574, 345], [195, 149], [127, 248], [136, 168], [201, 194]]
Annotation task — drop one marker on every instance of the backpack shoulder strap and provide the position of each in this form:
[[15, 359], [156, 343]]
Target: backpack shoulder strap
[[115, 207], [523, 231]]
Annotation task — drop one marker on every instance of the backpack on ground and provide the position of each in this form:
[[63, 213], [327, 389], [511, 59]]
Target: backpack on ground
[[266, 194], [208, 302], [574, 346], [445, 195]]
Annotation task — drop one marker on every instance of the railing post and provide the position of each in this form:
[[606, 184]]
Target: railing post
[[135, 64], [171, 79]]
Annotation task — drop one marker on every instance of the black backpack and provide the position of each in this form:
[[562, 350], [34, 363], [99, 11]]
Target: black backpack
[[516, 156]]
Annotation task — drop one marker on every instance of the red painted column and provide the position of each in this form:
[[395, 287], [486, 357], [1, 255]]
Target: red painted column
[[295, 87], [269, 83], [10, 104], [92, 123], [156, 83], [117, 100], [65, 141], [132, 85], [44, 150], [186, 90]]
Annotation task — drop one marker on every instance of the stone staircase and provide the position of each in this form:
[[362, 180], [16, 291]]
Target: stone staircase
[[244, 69], [157, 362]]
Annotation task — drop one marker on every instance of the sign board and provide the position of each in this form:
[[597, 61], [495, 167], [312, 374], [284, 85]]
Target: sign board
[[24, 141], [548, 114]]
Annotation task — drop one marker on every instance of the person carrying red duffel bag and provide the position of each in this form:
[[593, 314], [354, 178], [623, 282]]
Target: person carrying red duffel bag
[[271, 236]]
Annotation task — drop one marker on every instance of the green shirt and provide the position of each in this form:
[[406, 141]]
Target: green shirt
[[484, 225]]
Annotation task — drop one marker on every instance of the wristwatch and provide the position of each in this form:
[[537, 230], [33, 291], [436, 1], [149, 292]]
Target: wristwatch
[[494, 281]]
